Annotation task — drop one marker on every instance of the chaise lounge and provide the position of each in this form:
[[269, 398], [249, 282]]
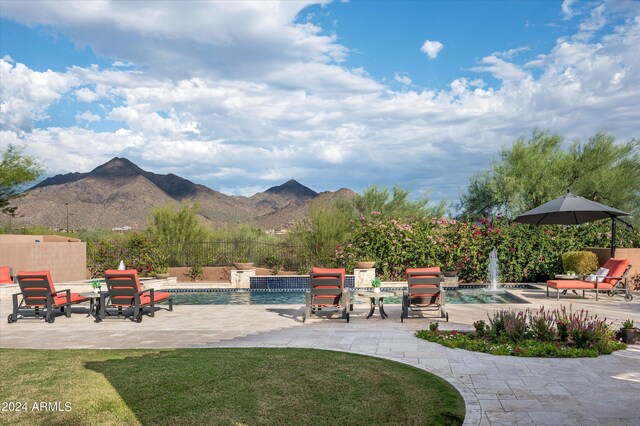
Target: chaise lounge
[[424, 292], [38, 292], [327, 293], [614, 282], [124, 292]]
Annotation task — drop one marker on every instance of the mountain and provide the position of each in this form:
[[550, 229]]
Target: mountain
[[119, 193]]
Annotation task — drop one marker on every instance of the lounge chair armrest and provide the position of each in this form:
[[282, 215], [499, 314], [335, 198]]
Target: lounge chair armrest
[[62, 291], [145, 291]]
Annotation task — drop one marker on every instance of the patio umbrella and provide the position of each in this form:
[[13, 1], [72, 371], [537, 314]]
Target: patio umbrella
[[572, 210]]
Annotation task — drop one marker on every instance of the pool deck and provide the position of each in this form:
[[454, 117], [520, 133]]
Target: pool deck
[[497, 389]]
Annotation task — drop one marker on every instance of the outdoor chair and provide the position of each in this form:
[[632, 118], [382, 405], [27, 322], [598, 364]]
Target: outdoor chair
[[327, 293], [38, 293], [5, 275], [613, 283], [424, 292], [125, 293]]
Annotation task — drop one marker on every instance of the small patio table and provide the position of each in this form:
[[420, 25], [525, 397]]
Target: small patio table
[[376, 297], [95, 302]]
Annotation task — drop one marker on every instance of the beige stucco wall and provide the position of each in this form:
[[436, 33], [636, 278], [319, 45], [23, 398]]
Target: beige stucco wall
[[65, 258]]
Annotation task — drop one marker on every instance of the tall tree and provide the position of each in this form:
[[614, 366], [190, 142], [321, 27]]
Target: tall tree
[[169, 225], [394, 204], [534, 171], [16, 171]]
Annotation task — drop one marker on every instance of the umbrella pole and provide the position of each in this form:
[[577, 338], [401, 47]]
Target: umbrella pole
[[613, 237]]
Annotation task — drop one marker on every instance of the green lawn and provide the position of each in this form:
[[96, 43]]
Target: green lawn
[[222, 386]]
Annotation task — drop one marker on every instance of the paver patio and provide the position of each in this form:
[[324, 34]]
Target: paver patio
[[497, 389]]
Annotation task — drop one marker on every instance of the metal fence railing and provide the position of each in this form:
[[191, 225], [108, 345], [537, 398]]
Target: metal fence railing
[[224, 253]]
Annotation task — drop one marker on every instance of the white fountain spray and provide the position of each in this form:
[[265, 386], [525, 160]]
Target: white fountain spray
[[493, 270]]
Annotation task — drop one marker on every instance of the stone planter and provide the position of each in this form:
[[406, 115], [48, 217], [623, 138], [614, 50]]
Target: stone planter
[[450, 273], [243, 266], [364, 265], [629, 335], [162, 276]]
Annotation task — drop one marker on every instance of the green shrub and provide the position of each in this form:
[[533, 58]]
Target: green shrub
[[195, 272], [137, 251], [481, 328], [582, 262]]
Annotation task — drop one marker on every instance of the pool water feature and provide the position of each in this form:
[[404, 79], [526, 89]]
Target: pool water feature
[[281, 297]]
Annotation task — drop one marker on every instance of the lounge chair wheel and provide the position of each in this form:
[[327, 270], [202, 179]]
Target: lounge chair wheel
[[138, 319], [10, 319], [610, 293], [628, 297], [347, 318], [447, 316], [51, 319]]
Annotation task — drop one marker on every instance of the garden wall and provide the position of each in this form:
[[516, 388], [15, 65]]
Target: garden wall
[[65, 258]]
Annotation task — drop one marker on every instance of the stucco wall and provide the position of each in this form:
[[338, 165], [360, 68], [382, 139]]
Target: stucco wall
[[65, 258]]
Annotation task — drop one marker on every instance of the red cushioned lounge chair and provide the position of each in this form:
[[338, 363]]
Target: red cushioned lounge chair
[[38, 293], [424, 292], [124, 292], [614, 282], [327, 293], [5, 275]]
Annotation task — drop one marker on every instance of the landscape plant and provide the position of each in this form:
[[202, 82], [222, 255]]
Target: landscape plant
[[16, 170], [538, 333], [137, 251], [580, 262]]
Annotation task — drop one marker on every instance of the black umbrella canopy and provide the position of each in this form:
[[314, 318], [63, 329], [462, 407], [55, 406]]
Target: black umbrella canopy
[[569, 210], [572, 210]]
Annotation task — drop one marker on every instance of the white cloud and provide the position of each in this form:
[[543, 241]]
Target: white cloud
[[87, 116], [431, 48], [27, 94], [86, 95], [567, 11], [404, 79], [316, 120], [501, 69]]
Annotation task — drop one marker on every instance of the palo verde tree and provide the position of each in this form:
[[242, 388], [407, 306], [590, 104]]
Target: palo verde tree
[[171, 226], [16, 171], [534, 171], [396, 204]]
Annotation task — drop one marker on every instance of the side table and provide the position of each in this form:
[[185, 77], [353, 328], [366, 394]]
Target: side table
[[95, 302], [376, 299]]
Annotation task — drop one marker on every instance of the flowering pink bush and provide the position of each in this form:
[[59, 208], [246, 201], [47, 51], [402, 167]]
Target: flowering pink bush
[[525, 253]]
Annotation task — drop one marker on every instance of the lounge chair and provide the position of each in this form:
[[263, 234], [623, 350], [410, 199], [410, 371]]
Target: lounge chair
[[5, 275], [614, 282], [424, 292], [327, 293], [38, 292], [124, 292]]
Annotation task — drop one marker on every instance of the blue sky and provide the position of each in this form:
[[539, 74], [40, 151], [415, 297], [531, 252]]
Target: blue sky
[[241, 96]]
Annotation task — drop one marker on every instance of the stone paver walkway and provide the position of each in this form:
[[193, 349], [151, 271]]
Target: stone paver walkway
[[497, 390]]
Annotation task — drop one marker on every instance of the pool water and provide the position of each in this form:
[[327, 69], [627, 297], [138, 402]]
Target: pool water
[[278, 297]]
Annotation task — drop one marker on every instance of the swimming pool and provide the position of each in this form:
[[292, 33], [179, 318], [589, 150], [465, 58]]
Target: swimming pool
[[280, 297]]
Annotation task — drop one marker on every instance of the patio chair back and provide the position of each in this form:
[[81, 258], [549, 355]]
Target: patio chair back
[[35, 287], [327, 286], [617, 268], [423, 286], [122, 286]]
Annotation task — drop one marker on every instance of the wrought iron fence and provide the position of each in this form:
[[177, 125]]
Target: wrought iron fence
[[224, 253]]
